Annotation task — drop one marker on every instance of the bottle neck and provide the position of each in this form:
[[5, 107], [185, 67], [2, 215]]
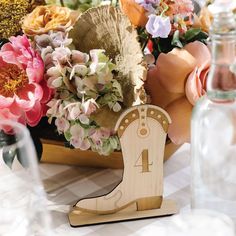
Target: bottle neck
[[221, 82]]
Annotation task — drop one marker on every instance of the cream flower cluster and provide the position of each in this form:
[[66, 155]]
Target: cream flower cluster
[[82, 84]]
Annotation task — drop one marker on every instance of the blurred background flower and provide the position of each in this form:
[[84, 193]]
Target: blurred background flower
[[11, 14], [82, 5]]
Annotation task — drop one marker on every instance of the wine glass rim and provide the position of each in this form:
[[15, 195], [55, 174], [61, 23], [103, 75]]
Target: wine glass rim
[[23, 131]]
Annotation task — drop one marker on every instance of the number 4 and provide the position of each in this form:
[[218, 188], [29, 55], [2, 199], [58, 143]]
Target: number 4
[[145, 161]]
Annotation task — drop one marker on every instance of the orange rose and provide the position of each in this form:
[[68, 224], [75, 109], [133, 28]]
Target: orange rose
[[135, 12], [176, 82], [45, 18]]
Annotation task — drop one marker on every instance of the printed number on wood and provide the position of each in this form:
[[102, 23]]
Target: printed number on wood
[[143, 161], [142, 131]]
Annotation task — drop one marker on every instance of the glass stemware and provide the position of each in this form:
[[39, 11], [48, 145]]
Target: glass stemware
[[22, 197]]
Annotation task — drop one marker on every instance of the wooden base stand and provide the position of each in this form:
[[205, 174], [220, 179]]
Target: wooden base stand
[[142, 132], [78, 218]]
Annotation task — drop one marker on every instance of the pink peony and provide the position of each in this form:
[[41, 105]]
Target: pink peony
[[23, 90]]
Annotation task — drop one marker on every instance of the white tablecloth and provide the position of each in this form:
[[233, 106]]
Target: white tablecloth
[[65, 185]]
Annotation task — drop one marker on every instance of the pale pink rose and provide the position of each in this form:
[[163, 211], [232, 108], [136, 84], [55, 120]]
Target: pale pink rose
[[23, 90], [176, 82]]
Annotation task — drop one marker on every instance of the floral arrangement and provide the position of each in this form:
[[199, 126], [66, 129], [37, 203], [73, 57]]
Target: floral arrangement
[[43, 73], [82, 83], [166, 24], [174, 36], [51, 68]]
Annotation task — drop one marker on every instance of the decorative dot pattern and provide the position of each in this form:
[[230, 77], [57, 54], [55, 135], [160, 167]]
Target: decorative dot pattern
[[133, 115]]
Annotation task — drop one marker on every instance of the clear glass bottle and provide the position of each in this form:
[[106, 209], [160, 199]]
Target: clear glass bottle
[[213, 124]]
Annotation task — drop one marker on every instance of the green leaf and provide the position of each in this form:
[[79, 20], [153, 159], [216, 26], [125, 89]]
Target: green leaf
[[202, 36], [8, 157], [192, 33], [176, 40], [164, 45], [67, 135]]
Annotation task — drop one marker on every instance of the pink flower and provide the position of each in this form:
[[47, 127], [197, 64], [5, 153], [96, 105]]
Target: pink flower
[[78, 139], [74, 110], [23, 90], [80, 143], [79, 57], [99, 134], [61, 55], [176, 82]]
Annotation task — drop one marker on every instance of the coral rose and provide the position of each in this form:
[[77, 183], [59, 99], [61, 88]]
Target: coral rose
[[45, 18], [23, 90], [176, 82]]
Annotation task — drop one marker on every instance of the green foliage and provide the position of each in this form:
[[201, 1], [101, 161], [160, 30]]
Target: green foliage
[[176, 40], [195, 34], [165, 45]]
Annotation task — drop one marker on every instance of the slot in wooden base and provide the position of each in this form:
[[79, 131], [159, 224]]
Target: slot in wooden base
[[79, 218]]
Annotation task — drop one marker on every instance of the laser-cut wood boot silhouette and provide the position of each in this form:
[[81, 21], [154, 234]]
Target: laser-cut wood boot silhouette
[[142, 131]]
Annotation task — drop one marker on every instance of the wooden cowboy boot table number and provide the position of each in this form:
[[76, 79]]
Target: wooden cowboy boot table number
[[142, 131]]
